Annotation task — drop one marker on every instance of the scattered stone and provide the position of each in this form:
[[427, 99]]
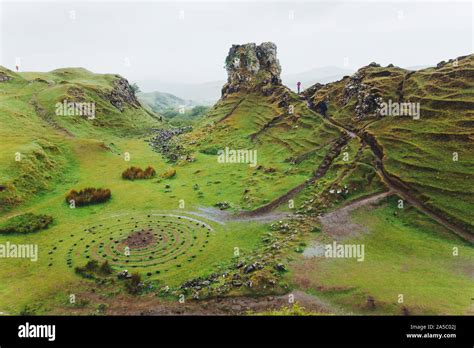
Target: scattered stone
[[370, 302], [280, 267], [222, 205], [124, 275]]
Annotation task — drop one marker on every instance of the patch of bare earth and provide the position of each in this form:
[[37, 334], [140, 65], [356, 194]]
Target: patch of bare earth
[[123, 304], [139, 239], [339, 224]]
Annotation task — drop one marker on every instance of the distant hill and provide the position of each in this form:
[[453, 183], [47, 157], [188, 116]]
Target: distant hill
[[159, 101], [208, 93], [201, 93]]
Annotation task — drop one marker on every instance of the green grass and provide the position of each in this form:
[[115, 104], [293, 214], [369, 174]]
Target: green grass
[[404, 254], [25, 223], [82, 161], [134, 197], [420, 152], [62, 153]]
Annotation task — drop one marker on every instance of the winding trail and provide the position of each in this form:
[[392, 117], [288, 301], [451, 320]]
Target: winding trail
[[231, 111], [319, 172], [393, 183], [49, 119], [338, 223], [266, 126]]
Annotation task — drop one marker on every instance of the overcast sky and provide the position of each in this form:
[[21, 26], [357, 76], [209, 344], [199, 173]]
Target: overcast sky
[[187, 42]]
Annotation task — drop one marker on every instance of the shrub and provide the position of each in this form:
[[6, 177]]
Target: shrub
[[25, 223], [133, 173], [169, 173], [149, 172], [105, 268], [92, 265], [27, 311], [134, 285], [93, 268], [88, 196], [210, 150]]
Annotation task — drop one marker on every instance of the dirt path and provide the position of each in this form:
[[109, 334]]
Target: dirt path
[[395, 184], [222, 217], [231, 111], [269, 124], [398, 186], [45, 116], [339, 224], [319, 172], [244, 305]]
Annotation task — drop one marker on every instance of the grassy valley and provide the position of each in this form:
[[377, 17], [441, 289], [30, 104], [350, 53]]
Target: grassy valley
[[166, 220]]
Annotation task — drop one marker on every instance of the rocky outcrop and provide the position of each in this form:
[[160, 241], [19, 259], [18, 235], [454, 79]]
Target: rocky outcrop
[[368, 101], [121, 94], [4, 77], [310, 91], [252, 68], [165, 142]]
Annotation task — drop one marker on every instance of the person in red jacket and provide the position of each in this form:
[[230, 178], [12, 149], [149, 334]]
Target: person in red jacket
[[298, 85]]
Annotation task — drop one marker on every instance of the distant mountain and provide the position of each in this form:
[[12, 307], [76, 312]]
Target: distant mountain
[[321, 75], [208, 93], [160, 102], [201, 93]]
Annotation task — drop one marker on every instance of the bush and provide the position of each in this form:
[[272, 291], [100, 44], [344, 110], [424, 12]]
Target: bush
[[92, 265], [88, 196], [134, 285], [27, 311], [25, 223], [169, 173], [133, 173], [105, 268], [210, 150], [93, 268]]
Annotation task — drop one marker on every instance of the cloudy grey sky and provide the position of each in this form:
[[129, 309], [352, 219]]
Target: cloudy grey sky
[[187, 42]]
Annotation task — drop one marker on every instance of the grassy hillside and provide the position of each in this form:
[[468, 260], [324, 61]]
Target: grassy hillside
[[405, 254], [37, 147], [419, 152], [59, 154], [159, 101], [202, 228]]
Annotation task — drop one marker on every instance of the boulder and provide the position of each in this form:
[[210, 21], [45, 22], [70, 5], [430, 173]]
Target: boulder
[[249, 66]]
